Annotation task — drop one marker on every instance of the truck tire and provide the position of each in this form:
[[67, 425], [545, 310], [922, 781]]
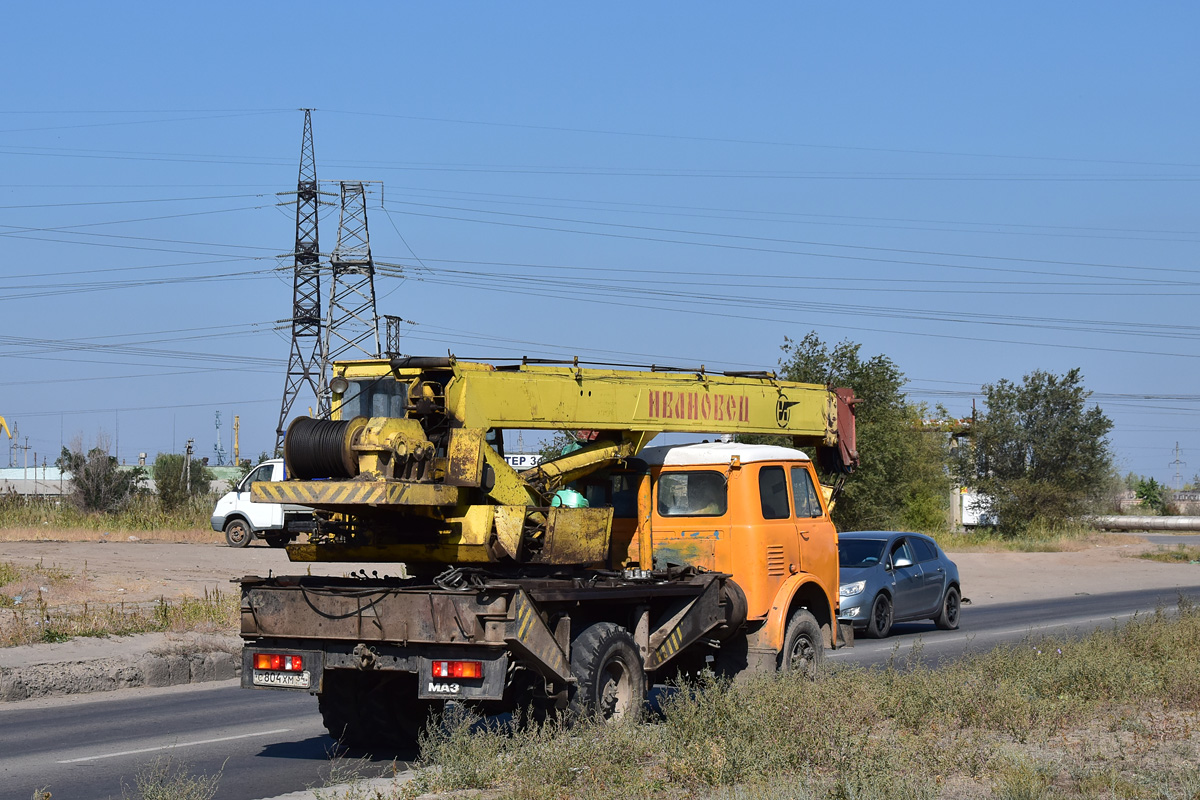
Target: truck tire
[[277, 539], [879, 624], [803, 645], [947, 618], [373, 710], [238, 533], [609, 674]]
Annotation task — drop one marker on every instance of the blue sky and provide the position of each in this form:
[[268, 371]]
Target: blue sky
[[976, 192]]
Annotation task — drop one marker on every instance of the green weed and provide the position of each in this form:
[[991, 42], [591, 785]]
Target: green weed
[[1180, 554]]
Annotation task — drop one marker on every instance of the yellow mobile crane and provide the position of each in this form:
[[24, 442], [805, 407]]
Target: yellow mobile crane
[[4, 427], [516, 591]]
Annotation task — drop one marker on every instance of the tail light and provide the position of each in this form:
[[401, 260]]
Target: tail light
[[458, 669], [278, 661]]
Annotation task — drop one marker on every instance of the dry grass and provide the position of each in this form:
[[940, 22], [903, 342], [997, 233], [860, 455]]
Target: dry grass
[[165, 778], [42, 604], [46, 533], [144, 514], [1064, 540], [1113, 715]]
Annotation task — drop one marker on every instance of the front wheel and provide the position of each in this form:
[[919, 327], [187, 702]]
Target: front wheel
[[880, 624], [238, 533], [610, 680], [803, 646], [947, 618]]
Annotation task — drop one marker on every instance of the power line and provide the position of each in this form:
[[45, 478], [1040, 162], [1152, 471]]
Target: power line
[[681, 137]]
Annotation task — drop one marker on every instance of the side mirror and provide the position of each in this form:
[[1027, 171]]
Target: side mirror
[[902, 562]]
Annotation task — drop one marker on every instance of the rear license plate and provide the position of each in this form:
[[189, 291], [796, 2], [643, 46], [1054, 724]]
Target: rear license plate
[[291, 680]]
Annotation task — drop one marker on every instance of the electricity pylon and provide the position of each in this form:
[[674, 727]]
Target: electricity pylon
[[307, 361], [352, 327]]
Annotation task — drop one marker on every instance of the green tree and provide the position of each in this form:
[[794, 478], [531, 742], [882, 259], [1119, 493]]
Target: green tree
[[98, 483], [902, 480], [1039, 451], [173, 490], [1152, 494]]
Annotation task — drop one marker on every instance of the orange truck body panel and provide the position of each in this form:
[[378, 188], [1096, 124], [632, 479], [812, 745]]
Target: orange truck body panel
[[770, 559]]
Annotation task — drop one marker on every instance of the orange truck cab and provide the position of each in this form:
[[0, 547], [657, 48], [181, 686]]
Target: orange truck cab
[[756, 512]]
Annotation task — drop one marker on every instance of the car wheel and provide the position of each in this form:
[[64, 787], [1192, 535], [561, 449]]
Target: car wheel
[[238, 533], [803, 646], [880, 623], [947, 618]]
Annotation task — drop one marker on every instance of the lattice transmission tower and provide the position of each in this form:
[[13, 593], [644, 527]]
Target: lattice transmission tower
[[352, 327], [306, 365]]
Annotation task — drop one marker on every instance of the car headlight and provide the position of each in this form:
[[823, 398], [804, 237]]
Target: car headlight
[[851, 589]]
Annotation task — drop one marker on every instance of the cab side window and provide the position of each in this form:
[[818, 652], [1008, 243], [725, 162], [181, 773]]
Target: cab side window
[[263, 473], [772, 493], [691, 494], [804, 494]]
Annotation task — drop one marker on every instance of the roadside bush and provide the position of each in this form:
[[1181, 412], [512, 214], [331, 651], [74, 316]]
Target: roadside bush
[[174, 490], [905, 730], [142, 512], [98, 483]]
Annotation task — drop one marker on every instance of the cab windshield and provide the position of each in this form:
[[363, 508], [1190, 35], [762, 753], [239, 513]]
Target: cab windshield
[[854, 553], [375, 397]]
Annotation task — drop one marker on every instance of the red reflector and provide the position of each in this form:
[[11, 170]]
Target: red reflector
[[458, 669]]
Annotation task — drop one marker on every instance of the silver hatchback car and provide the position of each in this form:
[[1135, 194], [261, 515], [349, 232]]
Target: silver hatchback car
[[890, 576]]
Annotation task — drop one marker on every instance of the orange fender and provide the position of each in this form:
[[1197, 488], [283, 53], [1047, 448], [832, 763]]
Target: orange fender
[[771, 634]]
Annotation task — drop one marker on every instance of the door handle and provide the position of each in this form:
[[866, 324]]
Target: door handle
[[804, 535]]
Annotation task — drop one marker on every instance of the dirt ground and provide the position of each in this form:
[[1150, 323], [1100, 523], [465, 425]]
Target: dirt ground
[[133, 571]]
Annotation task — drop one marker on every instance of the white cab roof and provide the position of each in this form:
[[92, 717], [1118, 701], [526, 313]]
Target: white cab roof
[[690, 455]]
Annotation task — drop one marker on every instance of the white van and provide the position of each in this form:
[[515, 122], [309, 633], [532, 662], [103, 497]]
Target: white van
[[243, 521]]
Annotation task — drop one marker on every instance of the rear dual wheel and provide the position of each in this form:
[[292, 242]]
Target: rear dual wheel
[[610, 680]]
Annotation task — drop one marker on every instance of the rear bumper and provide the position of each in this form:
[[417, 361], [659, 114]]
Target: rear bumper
[[324, 658]]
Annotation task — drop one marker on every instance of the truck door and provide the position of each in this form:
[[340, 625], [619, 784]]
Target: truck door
[[818, 544], [262, 516], [778, 533]]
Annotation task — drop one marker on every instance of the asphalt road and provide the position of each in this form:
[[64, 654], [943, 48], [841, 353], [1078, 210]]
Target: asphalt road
[[267, 743]]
